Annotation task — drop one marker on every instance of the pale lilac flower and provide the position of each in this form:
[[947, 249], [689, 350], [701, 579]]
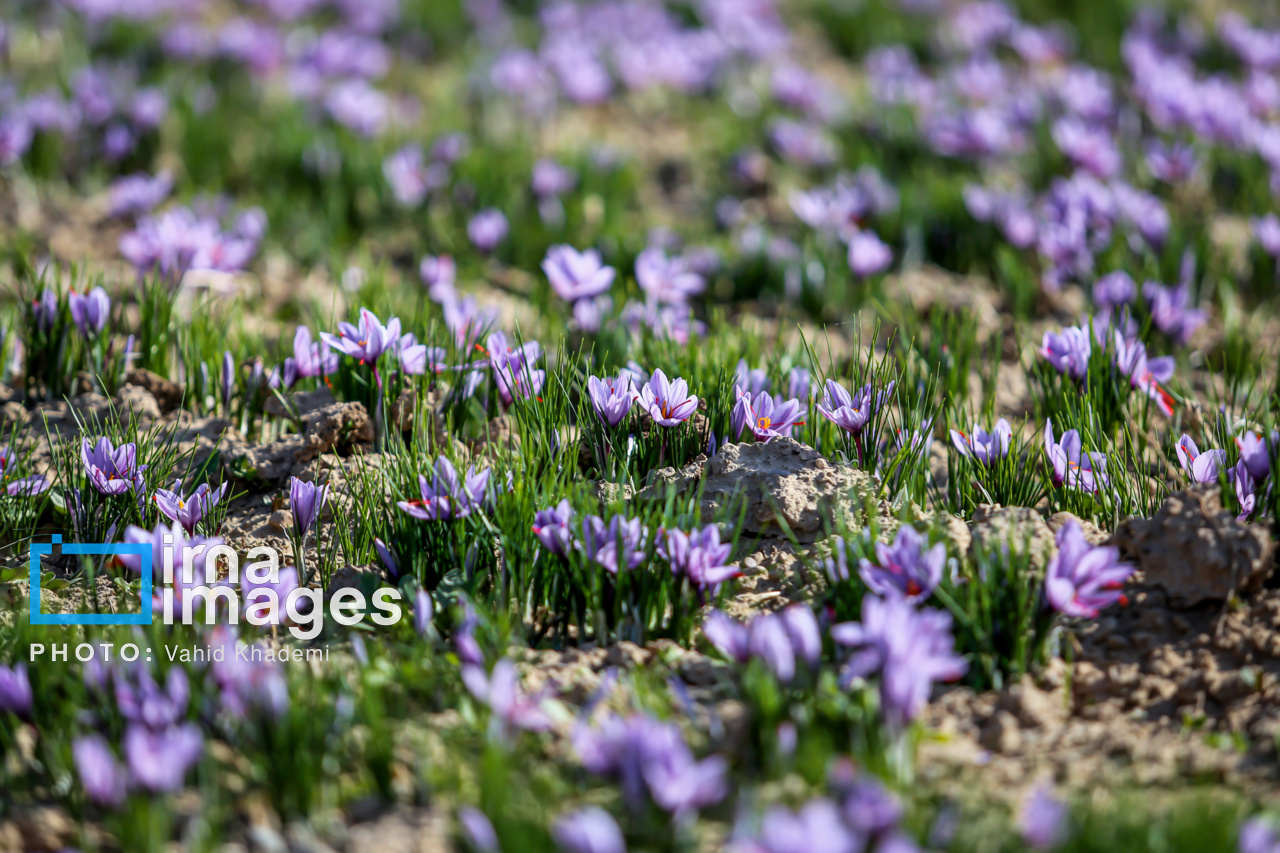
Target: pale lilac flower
[[45, 310], [698, 556], [988, 448], [911, 649], [1090, 147], [852, 412], [1246, 489], [178, 548], [445, 497], [158, 760], [767, 417], [467, 320], [1266, 230], [664, 279], [188, 511], [416, 359], [112, 470], [669, 403], [365, 342], [611, 398], [551, 179], [1144, 373], [487, 229], [905, 568], [410, 177], [312, 359], [1255, 454], [134, 195], [1172, 163], [553, 527], [358, 106], [103, 778], [1114, 290], [1068, 351], [500, 690], [868, 254], [1172, 310], [258, 602], [1200, 467], [306, 501], [817, 827], [1083, 579], [90, 312], [15, 689], [805, 144], [513, 368], [479, 830], [438, 273], [576, 275], [620, 544], [1042, 819], [777, 639], [1258, 835], [1070, 466], [590, 830]]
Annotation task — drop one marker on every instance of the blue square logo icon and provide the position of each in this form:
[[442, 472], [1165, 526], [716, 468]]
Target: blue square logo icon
[[141, 549]]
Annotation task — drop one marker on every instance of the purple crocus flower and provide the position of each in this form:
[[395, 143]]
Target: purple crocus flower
[[553, 527], [1172, 310], [905, 568], [135, 195], [1082, 579], [817, 826], [312, 359], [747, 380], [668, 403], [1068, 351], [868, 254], [112, 470], [576, 275], [45, 310], [438, 273], [1114, 290], [446, 497], [410, 177], [911, 649], [1200, 467], [698, 556], [1246, 489], [179, 545], [424, 609], [767, 417], [602, 543], [1042, 820], [158, 760], [1255, 454], [988, 448], [551, 179], [802, 631], [1266, 230], [611, 398], [228, 378], [776, 639], [15, 690], [852, 412], [513, 368], [798, 383], [487, 229], [103, 778], [589, 830], [1071, 467], [479, 830], [368, 341], [500, 690], [306, 500], [666, 280], [1172, 163], [1144, 373], [190, 510]]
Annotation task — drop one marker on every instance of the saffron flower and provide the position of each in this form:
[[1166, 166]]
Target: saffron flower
[[424, 608], [611, 398], [1246, 489], [1266, 231], [817, 826], [852, 412], [103, 778], [777, 639], [112, 470], [1144, 373], [987, 448], [553, 528], [1255, 454], [1068, 351], [416, 359], [179, 548], [698, 556], [500, 690], [620, 544], [479, 830], [1070, 466], [1172, 310], [90, 312], [668, 403], [868, 254], [666, 280], [1082, 579], [487, 229], [910, 648], [159, 759], [1200, 467], [15, 689], [438, 273], [576, 275], [45, 310], [1258, 835], [905, 568], [767, 417], [446, 497], [1042, 819], [306, 500], [513, 368], [747, 380], [590, 830], [312, 358], [365, 342], [190, 510]]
